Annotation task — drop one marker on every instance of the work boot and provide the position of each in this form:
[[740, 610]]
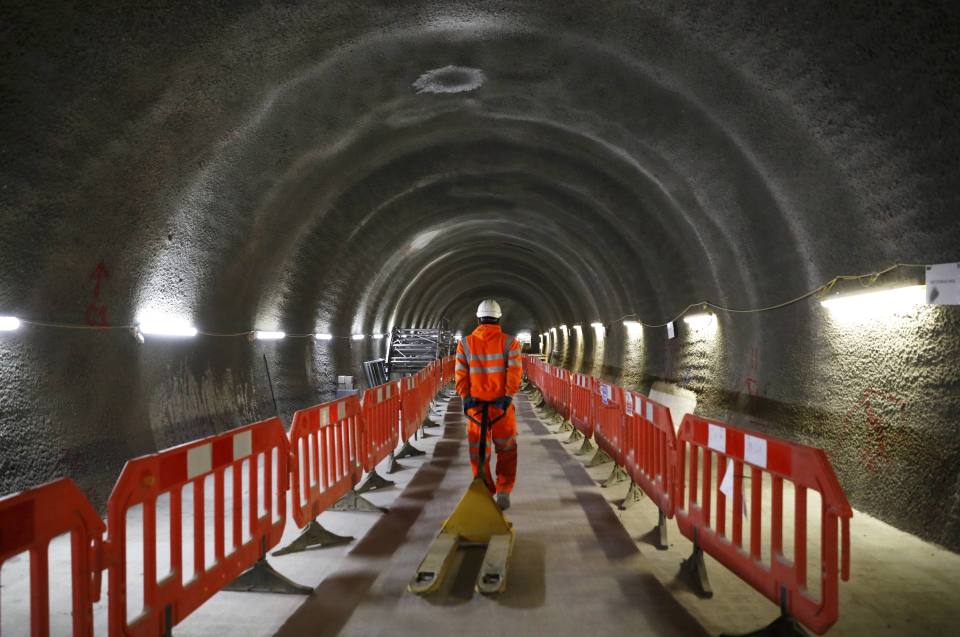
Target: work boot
[[503, 501]]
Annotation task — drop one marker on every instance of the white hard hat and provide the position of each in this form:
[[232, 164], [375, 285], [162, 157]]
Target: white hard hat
[[489, 307]]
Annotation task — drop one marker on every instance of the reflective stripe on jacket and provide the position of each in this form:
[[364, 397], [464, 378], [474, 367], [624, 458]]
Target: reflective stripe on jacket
[[488, 364]]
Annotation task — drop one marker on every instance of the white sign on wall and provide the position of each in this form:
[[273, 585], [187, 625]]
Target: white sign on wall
[[943, 284], [671, 331]]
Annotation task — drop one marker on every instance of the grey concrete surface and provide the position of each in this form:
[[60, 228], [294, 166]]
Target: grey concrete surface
[[316, 166], [574, 568]]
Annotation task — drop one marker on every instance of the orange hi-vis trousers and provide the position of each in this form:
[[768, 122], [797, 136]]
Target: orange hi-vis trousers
[[503, 436]]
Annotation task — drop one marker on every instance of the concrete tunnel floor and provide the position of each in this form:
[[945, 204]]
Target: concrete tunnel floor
[[580, 565]]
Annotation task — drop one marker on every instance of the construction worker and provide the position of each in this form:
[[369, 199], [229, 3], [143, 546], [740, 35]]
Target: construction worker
[[489, 369]]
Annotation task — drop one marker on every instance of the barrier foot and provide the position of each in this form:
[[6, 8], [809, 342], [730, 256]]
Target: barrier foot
[[599, 458], [575, 436], [373, 482], [694, 571], [263, 578], [394, 465], [662, 542], [353, 501], [548, 412], [565, 426], [313, 536], [783, 626], [617, 475], [634, 495], [409, 451], [585, 448]]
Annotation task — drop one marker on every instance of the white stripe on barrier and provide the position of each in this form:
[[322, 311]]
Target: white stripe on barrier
[[717, 438], [199, 460], [325, 416], [755, 451], [242, 444]]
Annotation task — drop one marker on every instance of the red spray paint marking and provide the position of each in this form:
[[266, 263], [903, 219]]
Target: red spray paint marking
[[98, 275], [96, 314], [880, 438]]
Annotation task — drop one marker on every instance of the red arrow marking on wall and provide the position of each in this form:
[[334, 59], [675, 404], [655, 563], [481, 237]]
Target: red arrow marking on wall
[[99, 274]]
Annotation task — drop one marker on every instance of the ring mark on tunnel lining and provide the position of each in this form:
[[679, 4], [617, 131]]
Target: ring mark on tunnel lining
[[450, 79]]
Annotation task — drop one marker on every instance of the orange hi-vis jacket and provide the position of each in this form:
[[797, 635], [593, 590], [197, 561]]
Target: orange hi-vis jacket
[[488, 364]]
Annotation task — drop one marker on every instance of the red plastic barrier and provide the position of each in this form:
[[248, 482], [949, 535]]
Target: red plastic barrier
[[380, 412], [447, 371], [325, 456], [609, 430], [168, 598], [536, 373], [650, 449], [778, 461], [29, 521], [410, 408], [559, 390], [582, 404]]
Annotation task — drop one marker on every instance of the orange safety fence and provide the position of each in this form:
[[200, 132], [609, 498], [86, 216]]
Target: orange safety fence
[[447, 371], [701, 512], [531, 369], [582, 404], [29, 521], [380, 412], [236, 482], [409, 407], [248, 515], [650, 449], [610, 422], [325, 456], [559, 382]]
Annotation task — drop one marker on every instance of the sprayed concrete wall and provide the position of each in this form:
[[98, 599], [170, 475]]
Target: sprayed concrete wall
[[349, 167]]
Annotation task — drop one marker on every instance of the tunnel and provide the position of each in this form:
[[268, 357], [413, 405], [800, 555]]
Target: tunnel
[[662, 194]]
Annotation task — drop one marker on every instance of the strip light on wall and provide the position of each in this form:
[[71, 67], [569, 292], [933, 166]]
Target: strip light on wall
[[358, 337], [634, 328], [323, 337], [702, 323], [9, 323], [876, 304], [262, 335], [377, 336], [165, 325]]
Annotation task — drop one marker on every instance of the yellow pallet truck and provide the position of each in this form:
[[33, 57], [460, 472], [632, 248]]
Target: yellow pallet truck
[[477, 521]]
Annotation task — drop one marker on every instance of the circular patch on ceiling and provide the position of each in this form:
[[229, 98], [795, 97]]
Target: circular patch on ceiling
[[450, 79]]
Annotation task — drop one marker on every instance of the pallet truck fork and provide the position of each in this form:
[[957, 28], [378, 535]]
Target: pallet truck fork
[[477, 521]]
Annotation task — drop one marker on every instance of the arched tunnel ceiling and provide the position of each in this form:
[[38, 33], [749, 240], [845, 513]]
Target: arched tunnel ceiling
[[273, 159]]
